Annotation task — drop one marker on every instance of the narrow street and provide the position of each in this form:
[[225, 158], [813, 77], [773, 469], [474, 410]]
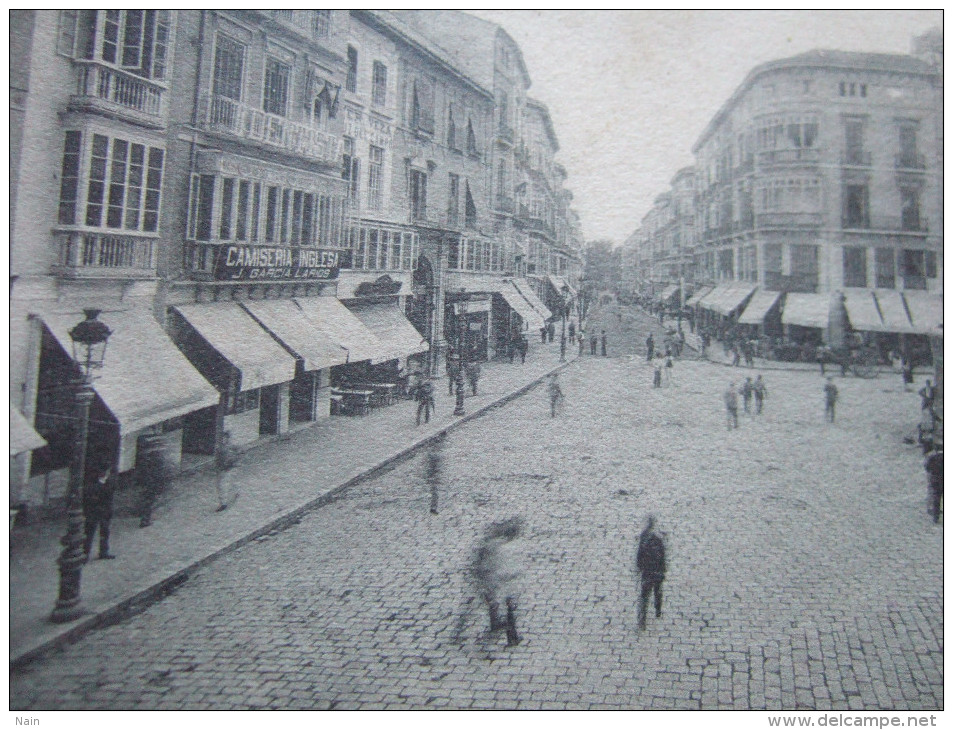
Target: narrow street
[[804, 571]]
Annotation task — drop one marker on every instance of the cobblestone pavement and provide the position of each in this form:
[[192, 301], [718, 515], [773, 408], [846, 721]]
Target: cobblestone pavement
[[804, 572]]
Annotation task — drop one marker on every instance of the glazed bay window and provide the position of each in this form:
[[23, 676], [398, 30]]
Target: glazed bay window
[[229, 68], [377, 249], [109, 199], [855, 266], [351, 171], [224, 209]]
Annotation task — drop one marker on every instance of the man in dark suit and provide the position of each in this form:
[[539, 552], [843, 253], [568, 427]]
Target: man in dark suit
[[650, 561]]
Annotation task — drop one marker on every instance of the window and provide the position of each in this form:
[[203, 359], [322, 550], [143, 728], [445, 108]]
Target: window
[[910, 209], [451, 130], [375, 178], [277, 78], [379, 84], [885, 260], [504, 109], [124, 182], [66, 32], [913, 268], [726, 261], [804, 267], [855, 266], [856, 207], [320, 24], [200, 205], [351, 82], [852, 89], [421, 114], [471, 211], [418, 195], [453, 200], [453, 254], [351, 170], [908, 147], [802, 134], [471, 139], [854, 143], [229, 67], [136, 40]]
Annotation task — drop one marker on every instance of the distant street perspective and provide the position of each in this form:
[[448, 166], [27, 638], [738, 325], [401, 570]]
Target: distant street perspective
[[486, 360], [803, 569]]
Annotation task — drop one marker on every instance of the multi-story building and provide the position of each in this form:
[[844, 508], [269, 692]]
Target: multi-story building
[[264, 205], [818, 184]]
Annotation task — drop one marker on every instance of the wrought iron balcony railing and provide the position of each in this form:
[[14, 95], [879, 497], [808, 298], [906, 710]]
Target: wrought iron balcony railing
[[91, 254], [97, 82]]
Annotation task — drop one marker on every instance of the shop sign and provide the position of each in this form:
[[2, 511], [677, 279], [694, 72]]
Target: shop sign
[[284, 263]]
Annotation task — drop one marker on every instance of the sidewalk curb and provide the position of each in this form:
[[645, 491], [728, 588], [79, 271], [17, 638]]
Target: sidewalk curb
[[144, 599]]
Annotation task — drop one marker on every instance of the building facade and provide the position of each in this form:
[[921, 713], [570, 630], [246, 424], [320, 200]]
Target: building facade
[[266, 207]]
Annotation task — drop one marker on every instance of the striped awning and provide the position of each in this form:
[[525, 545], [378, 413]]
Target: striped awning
[[758, 307], [926, 312], [698, 295], [894, 311], [23, 437], [862, 311], [807, 310]]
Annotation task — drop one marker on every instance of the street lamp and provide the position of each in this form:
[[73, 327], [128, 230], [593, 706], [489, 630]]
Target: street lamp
[[460, 309], [89, 352]]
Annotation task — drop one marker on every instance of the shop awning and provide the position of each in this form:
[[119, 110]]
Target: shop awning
[[399, 337], [727, 297], [698, 295], [524, 288], [561, 285], [531, 318], [894, 312], [285, 320], [758, 307], [807, 310], [338, 322], [145, 379], [23, 437], [238, 338], [668, 292], [862, 311], [926, 312]]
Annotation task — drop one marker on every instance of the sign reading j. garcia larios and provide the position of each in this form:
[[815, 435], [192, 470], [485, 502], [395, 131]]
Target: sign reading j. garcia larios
[[279, 262]]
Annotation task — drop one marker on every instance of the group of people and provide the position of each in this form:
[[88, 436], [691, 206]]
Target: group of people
[[755, 391]]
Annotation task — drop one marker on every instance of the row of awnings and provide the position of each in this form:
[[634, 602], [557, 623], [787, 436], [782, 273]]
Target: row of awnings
[[867, 310], [519, 295], [146, 379], [562, 286]]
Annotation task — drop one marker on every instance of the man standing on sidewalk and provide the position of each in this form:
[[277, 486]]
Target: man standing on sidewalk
[[593, 343], [830, 399], [650, 347], [650, 560], [760, 391], [425, 400], [226, 459], [98, 511], [605, 352]]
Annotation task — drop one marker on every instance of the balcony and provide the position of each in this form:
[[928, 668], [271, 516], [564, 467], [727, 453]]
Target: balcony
[[103, 88], [856, 158], [254, 125], [910, 162], [530, 222], [788, 220], [795, 156], [91, 255], [505, 133], [888, 224]]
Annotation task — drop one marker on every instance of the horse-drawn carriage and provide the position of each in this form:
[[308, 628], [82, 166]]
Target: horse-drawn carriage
[[860, 360]]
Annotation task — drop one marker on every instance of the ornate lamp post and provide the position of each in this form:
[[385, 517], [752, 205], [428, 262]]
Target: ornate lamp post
[[89, 352], [460, 309]]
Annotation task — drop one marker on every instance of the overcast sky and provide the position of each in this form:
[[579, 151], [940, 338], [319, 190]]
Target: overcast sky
[[630, 91]]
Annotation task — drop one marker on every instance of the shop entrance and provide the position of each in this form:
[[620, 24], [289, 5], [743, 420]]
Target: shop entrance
[[270, 411]]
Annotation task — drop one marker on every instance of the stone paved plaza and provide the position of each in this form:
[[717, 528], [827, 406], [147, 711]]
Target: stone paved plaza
[[804, 572]]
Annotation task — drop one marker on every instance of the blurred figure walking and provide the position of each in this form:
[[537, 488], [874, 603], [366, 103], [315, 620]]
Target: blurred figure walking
[[425, 400], [760, 391], [556, 396], [498, 573], [434, 466], [830, 399], [731, 406], [934, 469]]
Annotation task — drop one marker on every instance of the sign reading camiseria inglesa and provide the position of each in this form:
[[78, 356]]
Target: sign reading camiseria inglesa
[[284, 263]]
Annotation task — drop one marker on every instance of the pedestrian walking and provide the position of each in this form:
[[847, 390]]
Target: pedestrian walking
[[731, 406], [934, 469], [98, 510], [562, 347], [650, 561], [830, 399], [747, 391], [669, 370], [151, 472], [473, 375], [582, 343], [498, 574], [556, 396], [542, 334], [425, 400], [657, 377], [593, 343], [434, 466], [649, 347], [605, 353], [524, 348], [572, 332], [760, 391], [226, 459]]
